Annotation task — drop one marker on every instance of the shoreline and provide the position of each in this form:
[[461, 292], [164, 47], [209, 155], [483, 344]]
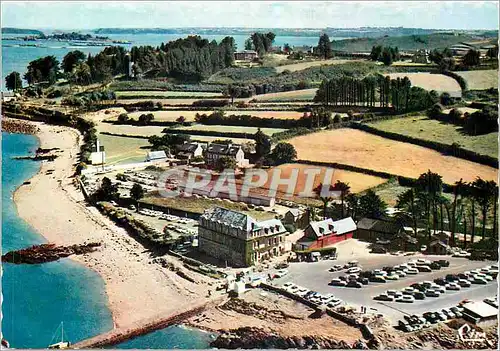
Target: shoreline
[[138, 291]]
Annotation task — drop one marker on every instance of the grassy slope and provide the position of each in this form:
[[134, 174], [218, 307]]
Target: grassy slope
[[411, 42], [478, 80], [424, 128]]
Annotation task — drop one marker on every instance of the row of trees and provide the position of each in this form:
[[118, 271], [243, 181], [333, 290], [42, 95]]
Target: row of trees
[[191, 58], [425, 206], [375, 90], [480, 122]]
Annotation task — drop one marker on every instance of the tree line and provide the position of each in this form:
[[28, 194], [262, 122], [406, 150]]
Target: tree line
[[397, 94], [191, 59]]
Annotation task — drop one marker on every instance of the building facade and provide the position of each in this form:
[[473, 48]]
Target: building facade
[[190, 150], [325, 233], [215, 151], [238, 239]]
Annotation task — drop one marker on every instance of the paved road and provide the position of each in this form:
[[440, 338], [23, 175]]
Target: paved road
[[315, 276]]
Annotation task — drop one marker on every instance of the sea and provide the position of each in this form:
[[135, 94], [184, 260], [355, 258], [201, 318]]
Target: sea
[[17, 56], [36, 299]]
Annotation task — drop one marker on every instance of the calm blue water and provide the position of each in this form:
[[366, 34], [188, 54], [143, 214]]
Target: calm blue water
[[175, 337], [16, 58], [36, 298]]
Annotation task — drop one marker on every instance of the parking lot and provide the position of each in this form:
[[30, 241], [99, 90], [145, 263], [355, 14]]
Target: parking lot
[[315, 276]]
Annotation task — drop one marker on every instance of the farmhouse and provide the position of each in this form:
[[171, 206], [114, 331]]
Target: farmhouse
[[325, 233], [245, 55], [239, 239], [155, 156], [377, 229], [8, 96], [190, 150], [215, 151], [403, 242]]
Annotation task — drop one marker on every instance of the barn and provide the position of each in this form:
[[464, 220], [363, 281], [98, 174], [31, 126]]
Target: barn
[[325, 233]]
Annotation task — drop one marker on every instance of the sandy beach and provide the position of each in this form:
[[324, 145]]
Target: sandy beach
[[138, 291]]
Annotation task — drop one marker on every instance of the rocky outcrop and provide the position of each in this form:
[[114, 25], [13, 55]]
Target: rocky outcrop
[[47, 253], [17, 126], [256, 338]]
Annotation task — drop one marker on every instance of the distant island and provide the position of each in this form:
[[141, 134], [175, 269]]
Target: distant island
[[362, 32], [10, 30]]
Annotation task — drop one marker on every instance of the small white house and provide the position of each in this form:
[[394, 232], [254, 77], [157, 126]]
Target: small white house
[[98, 155], [154, 156]]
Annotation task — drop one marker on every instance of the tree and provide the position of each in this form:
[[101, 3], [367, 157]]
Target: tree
[[376, 53], [471, 58], [137, 193], [145, 119], [430, 186], [13, 81], [352, 202], [458, 193], [325, 199], [262, 144], [233, 91], [107, 191], [42, 69], [387, 56], [408, 202], [249, 44], [445, 99], [225, 162], [71, 59], [81, 74], [484, 191], [181, 120], [371, 205], [283, 153], [344, 190], [123, 118], [325, 46]]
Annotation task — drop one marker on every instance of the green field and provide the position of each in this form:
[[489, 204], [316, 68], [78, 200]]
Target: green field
[[123, 150], [199, 205], [166, 94], [480, 80], [429, 129], [295, 95], [237, 129]]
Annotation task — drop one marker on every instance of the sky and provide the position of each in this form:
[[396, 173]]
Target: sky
[[263, 14]]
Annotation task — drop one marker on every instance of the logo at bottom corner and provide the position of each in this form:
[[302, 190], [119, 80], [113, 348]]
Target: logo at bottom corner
[[468, 334]]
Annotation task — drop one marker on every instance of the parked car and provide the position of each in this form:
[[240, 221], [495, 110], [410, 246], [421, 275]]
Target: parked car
[[354, 284], [441, 316], [353, 270], [412, 271], [451, 277], [464, 283], [384, 297], [432, 293], [409, 291], [444, 263], [334, 303], [363, 281], [438, 288], [377, 279], [406, 299], [448, 313], [288, 285], [491, 302], [401, 274], [422, 268], [457, 312], [419, 295], [435, 266], [281, 273], [335, 268], [302, 291], [392, 277], [485, 277], [430, 317], [338, 282], [478, 280], [440, 281], [452, 286]]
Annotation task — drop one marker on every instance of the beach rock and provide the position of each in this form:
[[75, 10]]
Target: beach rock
[[47, 253], [256, 338]]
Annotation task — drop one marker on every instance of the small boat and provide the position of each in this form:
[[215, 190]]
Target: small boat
[[61, 344]]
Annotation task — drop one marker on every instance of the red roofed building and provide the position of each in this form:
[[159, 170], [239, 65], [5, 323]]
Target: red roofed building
[[325, 233]]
